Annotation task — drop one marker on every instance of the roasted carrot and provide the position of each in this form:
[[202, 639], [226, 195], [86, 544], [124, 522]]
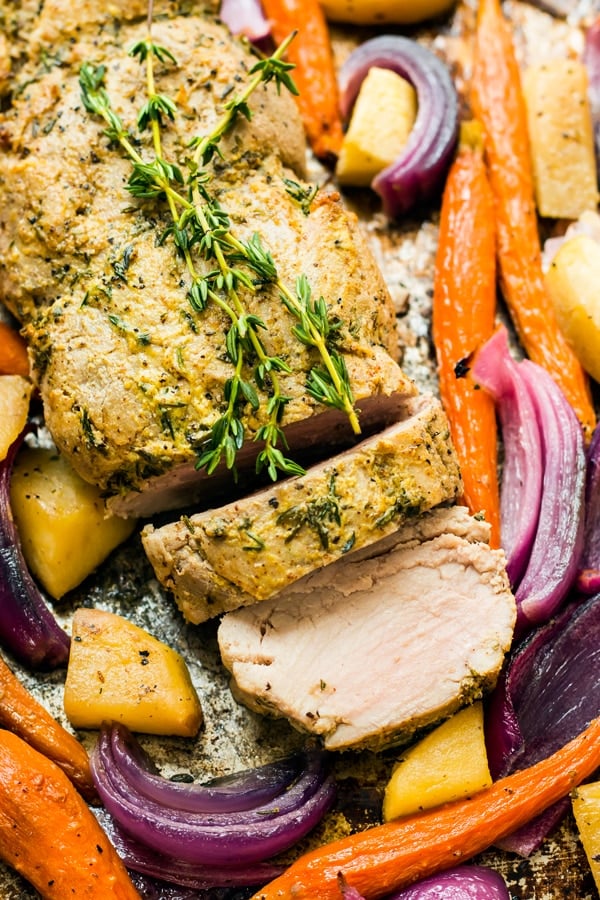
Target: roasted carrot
[[314, 75], [21, 713], [464, 306], [48, 833], [497, 100], [389, 857], [13, 352]]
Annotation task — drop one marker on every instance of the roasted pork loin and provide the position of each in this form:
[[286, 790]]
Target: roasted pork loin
[[132, 377], [383, 642]]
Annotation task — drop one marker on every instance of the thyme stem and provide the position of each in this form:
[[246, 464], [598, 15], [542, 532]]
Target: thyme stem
[[198, 221]]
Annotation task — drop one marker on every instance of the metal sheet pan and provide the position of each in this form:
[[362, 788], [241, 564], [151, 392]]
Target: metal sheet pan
[[233, 737]]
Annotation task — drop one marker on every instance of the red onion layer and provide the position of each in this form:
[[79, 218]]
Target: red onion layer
[[462, 883], [245, 17], [548, 694], [229, 838], [194, 879], [522, 471], [232, 793], [558, 544], [28, 628], [418, 173], [553, 557]]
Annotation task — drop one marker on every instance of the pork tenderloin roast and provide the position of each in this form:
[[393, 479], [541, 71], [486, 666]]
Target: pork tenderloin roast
[[353, 603], [132, 377]]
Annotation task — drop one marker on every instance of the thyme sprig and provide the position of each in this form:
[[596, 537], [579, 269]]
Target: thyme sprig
[[201, 227]]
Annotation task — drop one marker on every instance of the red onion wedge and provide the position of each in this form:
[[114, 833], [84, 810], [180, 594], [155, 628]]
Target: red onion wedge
[[548, 694], [461, 883], [28, 628], [245, 17], [419, 171], [591, 59], [558, 544], [196, 878], [232, 793], [522, 470], [228, 838], [553, 557]]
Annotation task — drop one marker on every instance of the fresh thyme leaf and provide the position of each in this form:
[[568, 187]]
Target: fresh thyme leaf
[[153, 110], [322, 388], [273, 69], [147, 46]]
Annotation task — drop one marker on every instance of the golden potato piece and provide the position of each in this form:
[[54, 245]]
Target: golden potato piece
[[448, 763], [118, 672], [381, 12], [63, 524], [573, 281], [382, 119], [15, 393], [586, 809], [562, 139]]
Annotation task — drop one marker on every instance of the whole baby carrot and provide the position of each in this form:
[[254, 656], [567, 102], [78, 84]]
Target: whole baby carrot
[[389, 857], [498, 102], [13, 352], [21, 713], [314, 75], [48, 833], [464, 306]]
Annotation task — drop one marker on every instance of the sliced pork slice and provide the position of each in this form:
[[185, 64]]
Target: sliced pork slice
[[251, 549], [368, 651]]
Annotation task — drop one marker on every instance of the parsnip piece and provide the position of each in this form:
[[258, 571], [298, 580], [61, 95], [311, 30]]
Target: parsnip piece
[[573, 281], [382, 119], [381, 12], [117, 671], [448, 763], [586, 809], [63, 524], [562, 140], [15, 393]]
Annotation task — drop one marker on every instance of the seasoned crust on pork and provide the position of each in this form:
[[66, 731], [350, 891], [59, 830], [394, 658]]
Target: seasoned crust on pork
[[257, 546], [132, 379], [366, 652]]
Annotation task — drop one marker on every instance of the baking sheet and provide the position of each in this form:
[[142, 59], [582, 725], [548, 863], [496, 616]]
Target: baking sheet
[[232, 737]]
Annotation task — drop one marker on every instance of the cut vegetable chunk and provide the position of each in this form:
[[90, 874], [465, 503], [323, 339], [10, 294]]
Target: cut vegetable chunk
[[119, 672], [586, 809], [562, 138], [379, 12], [64, 528], [382, 119], [448, 763], [573, 279], [15, 392]]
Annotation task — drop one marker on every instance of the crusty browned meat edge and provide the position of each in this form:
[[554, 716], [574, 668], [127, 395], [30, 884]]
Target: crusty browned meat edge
[[255, 547], [131, 378], [373, 648]]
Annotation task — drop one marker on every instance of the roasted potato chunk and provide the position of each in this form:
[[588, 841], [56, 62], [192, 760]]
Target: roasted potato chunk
[[118, 672]]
